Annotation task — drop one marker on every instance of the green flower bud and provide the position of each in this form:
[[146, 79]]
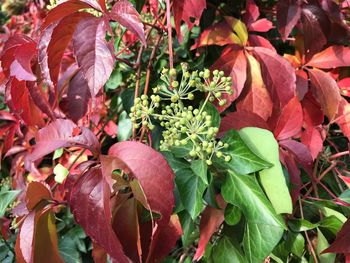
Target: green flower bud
[[209, 162], [190, 96], [193, 136], [206, 74], [193, 153], [219, 154], [215, 72], [175, 84], [174, 98], [227, 158], [172, 72]]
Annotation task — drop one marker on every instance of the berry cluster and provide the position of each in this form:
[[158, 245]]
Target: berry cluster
[[185, 126]]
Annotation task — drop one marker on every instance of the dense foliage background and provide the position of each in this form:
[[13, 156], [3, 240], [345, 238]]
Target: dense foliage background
[[174, 131]]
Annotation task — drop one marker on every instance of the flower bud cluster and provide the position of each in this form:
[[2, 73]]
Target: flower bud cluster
[[189, 127]]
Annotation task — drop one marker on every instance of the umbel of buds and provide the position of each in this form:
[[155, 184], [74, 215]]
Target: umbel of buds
[[189, 127]]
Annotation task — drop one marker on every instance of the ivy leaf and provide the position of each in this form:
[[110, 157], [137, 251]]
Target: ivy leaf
[[191, 188], [200, 168], [322, 244], [94, 55], [125, 14], [288, 15], [59, 134], [226, 251], [272, 179], [124, 127], [326, 90], [90, 198], [6, 198], [243, 159], [264, 227], [189, 11]]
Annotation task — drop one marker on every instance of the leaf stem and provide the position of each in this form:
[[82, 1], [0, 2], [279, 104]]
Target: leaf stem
[[170, 39]]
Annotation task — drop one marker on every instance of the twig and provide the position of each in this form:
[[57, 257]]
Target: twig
[[170, 38], [307, 235]]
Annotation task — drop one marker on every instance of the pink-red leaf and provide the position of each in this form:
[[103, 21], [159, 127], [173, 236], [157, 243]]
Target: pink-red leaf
[[211, 219], [154, 174], [78, 97], [343, 117], [290, 120], [189, 11], [94, 55], [332, 57], [326, 90], [62, 133], [288, 14], [64, 9], [312, 138], [341, 244], [257, 98], [241, 119], [90, 205], [124, 13], [234, 63], [278, 74], [61, 37]]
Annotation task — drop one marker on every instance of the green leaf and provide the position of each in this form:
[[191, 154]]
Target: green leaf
[[299, 225], [191, 189], [331, 223], [57, 154], [214, 113], [226, 251], [124, 127], [71, 244], [115, 80], [6, 198], [243, 159], [295, 243], [264, 227], [263, 143], [200, 168], [232, 215], [322, 244]]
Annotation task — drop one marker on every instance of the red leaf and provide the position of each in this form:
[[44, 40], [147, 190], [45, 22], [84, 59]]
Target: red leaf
[[326, 90], [259, 41], [37, 238], [20, 102], [154, 174], [301, 153], [313, 115], [312, 138], [78, 97], [341, 244], [288, 14], [124, 13], [94, 56], [314, 22], [344, 85], [343, 117], [302, 83], [290, 120], [59, 134], [126, 225], [164, 239], [278, 74], [332, 57], [211, 219], [16, 58], [241, 119], [262, 25], [257, 99], [60, 38], [37, 192], [90, 198], [65, 9], [234, 63], [252, 13], [187, 11]]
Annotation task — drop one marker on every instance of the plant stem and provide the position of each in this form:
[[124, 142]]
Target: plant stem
[[170, 39]]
